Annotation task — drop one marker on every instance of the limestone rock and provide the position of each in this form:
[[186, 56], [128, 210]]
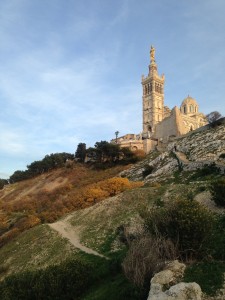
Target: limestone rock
[[185, 291], [163, 277], [180, 291]]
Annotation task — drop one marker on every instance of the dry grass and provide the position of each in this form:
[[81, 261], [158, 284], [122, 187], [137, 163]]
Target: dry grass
[[146, 256]]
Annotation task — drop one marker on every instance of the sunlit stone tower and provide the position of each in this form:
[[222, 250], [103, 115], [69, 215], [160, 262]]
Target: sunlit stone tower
[[153, 97]]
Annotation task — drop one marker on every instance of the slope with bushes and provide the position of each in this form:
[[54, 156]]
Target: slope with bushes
[[172, 215], [45, 198]]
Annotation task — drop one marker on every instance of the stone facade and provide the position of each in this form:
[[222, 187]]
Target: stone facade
[[153, 97], [160, 123]]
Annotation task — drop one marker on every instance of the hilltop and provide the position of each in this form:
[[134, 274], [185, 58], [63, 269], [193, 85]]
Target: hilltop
[[104, 226]]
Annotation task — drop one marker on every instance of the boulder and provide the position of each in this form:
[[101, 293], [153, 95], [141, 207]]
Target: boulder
[[164, 287]]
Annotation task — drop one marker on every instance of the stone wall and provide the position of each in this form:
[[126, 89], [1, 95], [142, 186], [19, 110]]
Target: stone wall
[[170, 126]]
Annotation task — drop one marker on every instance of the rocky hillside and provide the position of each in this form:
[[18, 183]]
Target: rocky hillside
[[194, 150], [99, 232]]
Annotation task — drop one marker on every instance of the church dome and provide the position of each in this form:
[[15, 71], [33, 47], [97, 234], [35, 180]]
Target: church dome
[[189, 106]]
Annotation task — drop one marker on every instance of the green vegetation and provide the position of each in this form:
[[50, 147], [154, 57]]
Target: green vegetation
[[175, 226], [80, 153], [209, 275], [185, 222], [208, 172], [216, 243], [68, 280], [36, 248], [217, 189], [147, 170], [86, 277], [105, 155], [49, 162], [3, 182]]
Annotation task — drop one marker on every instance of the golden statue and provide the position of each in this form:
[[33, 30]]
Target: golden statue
[[152, 54]]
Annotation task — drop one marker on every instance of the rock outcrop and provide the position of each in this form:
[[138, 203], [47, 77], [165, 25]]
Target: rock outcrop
[[164, 285], [193, 151]]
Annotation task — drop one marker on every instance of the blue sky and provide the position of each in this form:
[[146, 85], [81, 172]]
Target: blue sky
[[71, 69]]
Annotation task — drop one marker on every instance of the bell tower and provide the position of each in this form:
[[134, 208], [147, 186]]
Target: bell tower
[[153, 97]]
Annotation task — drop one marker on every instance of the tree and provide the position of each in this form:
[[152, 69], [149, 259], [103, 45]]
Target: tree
[[213, 116], [81, 152], [116, 133], [3, 182], [18, 176], [106, 151]]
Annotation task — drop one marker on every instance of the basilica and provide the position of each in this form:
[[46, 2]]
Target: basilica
[[160, 123]]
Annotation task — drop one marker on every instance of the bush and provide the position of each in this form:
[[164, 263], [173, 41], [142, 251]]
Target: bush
[[216, 245], [209, 275], [206, 171], [140, 154], [147, 170], [222, 155], [188, 224], [146, 256], [66, 281], [217, 190]]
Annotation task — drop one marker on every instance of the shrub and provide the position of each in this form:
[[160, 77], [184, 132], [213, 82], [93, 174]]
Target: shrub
[[217, 190], [146, 256], [209, 275], [205, 171], [216, 244], [222, 155], [147, 170], [66, 281], [8, 236], [201, 189], [185, 222], [27, 222], [140, 154]]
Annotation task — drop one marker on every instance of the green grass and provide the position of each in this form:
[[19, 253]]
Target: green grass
[[36, 248], [110, 282], [209, 275], [115, 288], [99, 223]]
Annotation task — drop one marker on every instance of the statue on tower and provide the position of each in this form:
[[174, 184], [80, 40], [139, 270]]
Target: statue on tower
[[152, 54]]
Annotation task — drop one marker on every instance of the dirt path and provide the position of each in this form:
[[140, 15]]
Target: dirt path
[[68, 232]]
